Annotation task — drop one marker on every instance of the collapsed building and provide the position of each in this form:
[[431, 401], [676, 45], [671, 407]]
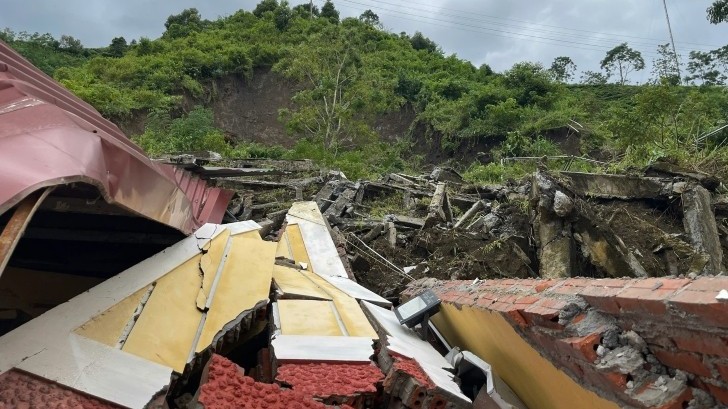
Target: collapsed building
[[195, 281]]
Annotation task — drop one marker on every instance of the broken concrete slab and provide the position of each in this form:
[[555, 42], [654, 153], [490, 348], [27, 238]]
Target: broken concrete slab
[[446, 175], [701, 228], [474, 209], [437, 208], [556, 247], [666, 169], [619, 186]]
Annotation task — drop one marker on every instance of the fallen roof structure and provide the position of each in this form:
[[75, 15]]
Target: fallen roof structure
[[64, 140], [143, 334], [79, 201]]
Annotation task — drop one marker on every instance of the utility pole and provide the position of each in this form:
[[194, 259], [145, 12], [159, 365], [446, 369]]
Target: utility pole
[[672, 41], [310, 9]]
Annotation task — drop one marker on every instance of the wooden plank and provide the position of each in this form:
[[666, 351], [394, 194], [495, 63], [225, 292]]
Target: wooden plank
[[13, 231], [57, 288], [79, 205]]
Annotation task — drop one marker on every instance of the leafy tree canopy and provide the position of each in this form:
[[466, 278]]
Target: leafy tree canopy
[[622, 60], [718, 11]]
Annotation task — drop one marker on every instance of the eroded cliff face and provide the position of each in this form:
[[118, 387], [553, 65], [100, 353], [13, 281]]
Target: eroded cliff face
[[247, 110]]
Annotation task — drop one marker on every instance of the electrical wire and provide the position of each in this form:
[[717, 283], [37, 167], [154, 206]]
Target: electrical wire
[[531, 24], [374, 256], [533, 27], [491, 31]]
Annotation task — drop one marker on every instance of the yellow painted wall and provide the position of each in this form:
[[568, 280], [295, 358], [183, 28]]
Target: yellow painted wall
[[108, 326], [167, 327], [308, 317], [294, 284], [538, 383], [356, 323], [245, 282]]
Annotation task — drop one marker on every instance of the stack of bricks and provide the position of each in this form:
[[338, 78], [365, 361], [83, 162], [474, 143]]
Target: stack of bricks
[[409, 385], [625, 339]]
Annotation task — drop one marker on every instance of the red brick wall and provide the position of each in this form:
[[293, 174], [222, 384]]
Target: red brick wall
[[667, 324]]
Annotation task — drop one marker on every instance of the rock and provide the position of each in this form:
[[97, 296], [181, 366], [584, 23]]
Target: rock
[[490, 222], [624, 360], [633, 339], [563, 205], [610, 339]]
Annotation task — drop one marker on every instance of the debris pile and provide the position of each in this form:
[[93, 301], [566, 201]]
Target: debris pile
[[142, 284], [550, 225]]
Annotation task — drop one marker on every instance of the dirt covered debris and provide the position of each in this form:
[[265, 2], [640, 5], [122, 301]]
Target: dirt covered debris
[[667, 221]]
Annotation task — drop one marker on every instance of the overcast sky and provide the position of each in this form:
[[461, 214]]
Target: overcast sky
[[499, 33]]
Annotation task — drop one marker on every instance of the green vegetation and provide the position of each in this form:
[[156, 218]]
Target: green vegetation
[[350, 71]]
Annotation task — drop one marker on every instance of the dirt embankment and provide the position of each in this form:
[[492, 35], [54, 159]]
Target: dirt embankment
[[248, 110]]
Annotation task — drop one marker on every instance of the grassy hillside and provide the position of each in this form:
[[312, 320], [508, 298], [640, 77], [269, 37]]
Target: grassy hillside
[[351, 71]]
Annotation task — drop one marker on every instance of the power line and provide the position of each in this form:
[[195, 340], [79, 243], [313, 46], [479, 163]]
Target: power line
[[611, 41], [488, 16], [504, 33]]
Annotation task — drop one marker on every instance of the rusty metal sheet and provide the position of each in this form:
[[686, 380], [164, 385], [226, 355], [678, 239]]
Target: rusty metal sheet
[[50, 137]]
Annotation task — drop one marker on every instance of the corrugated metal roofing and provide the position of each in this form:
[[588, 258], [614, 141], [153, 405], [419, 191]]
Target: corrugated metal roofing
[[50, 137]]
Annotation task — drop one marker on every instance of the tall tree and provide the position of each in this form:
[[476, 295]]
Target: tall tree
[[703, 68], [531, 84], [265, 6], [562, 69], [332, 108], [306, 10], [718, 12], [70, 44], [184, 23], [665, 67], [328, 11], [118, 47], [369, 17], [622, 60], [282, 16], [420, 42]]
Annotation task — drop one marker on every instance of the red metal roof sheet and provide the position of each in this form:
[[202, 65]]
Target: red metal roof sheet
[[50, 137]]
